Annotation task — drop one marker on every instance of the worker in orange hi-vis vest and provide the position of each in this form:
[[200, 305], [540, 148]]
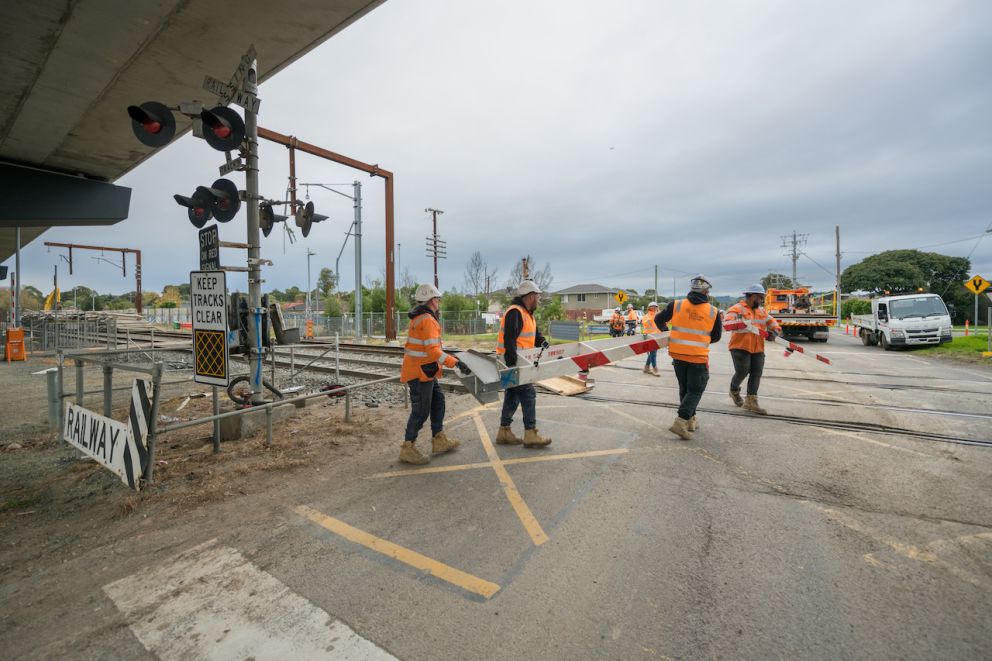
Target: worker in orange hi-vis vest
[[651, 365], [421, 370], [616, 324], [518, 330], [747, 345], [695, 324]]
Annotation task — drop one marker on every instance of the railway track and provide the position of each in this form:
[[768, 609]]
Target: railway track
[[808, 422]]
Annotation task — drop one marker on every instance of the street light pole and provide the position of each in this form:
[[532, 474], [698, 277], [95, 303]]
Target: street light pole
[[310, 254]]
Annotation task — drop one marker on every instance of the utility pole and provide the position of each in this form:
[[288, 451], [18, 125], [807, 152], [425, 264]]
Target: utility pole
[[17, 281], [357, 199], [794, 248], [837, 297], [399, 263], [525, 267], [310, 254], [255, 355], [656, 281], [435, 247]]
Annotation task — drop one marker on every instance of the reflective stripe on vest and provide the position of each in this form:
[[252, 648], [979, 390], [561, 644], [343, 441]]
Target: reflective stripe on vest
[[690, 330], [528, 333]]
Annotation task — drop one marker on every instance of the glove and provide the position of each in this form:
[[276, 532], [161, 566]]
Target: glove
[[772, 336], [463, 368], [545, 345]]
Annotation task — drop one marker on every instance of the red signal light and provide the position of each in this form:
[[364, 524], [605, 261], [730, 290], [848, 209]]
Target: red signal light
[[152, 123]]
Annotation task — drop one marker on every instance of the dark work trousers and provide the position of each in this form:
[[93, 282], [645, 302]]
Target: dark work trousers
[[426, 401], [526, 397], [693, 378], [750, 365]]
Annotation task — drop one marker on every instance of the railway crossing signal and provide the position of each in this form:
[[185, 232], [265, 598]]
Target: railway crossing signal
[[153, 123], [224, 130], [305, 218], [267, 218], [220, 201]]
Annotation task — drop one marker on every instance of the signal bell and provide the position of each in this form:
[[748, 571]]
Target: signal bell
[[224, 130], [267, 218], [305, 217], [153, 123]]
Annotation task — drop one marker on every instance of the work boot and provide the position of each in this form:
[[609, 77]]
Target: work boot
[[505, 436], [534, 440], [751, 404], [647, 369], [409, 454], [681, 429], [736, 396], [442, 443], [692, 426], [654, 370]]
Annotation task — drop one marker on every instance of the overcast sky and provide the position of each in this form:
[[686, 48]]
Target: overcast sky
[[608, 137]]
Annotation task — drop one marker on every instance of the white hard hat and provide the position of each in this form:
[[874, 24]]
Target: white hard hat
[[528, 287], [700, 283], [755, 289], [630, 306], [617, 309], [653, 304], [426, 292]]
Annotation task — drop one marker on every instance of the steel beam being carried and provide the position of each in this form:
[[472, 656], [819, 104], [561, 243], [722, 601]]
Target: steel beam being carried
[[489, 375]]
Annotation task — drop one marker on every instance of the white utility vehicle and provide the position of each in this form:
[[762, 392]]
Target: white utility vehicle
[[909, 320]]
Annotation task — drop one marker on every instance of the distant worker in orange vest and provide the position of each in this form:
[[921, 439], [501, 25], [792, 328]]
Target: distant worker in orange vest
[[518, 330], [651, 366], [695, 324], [631, 318], [747, 346], [616, 324], [421, 370]]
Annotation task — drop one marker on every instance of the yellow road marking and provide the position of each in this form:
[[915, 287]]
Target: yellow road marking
[[419, 561], [487, 464], [526, 517]]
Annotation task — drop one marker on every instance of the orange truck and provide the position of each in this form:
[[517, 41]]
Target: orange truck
[[801, 313]]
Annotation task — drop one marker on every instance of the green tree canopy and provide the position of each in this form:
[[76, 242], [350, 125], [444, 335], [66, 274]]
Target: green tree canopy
[[900, 271], [777, 281]]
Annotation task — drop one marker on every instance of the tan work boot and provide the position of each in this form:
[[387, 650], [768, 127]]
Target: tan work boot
[[751, 404], [692, 425], [654, 370], [681, 429], [409, 454], [534, 440], [736, 396], [647, 369], [442, 443], [505, 436]]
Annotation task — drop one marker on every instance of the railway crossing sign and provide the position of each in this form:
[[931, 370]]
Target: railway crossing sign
[[208, 302], [977, 285], [621, 297]]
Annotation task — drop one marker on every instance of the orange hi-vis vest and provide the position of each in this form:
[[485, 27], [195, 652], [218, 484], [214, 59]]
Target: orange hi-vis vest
[[689, 336], [423, 347], [616, 321], [528, 334], [648, 323], [632, 315], [745, 338]]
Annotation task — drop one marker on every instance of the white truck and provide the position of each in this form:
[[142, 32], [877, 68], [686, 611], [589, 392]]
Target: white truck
[[901, 321]]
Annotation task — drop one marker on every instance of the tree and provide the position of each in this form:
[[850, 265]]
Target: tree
[[478, 277], [553, 309], [455, 302], [327, 281], [541, 277], [777, 281], [899, 271], [332, 306]]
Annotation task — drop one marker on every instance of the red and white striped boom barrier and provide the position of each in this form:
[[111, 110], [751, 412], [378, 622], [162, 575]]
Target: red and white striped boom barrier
[[789, 348]]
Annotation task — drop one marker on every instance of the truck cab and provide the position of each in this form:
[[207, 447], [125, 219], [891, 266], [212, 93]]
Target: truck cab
[[910, 320]]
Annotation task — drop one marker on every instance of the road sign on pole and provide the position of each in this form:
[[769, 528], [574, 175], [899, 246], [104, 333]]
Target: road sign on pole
[[621, 297], [977, 284], [208, 300], [209, 249]]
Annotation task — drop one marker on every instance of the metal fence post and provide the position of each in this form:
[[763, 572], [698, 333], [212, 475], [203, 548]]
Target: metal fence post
[[292, 361], [272, 362], [53, 399], [216, 422], [337, 357], [79, 381], [347, 406], [60, 388], [108, 389], [153, 423], [268, 426]]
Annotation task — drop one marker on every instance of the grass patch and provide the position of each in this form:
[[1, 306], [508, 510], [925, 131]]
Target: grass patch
[[965, 348], [12, 504]]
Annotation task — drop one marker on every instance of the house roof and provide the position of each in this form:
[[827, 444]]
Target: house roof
[[588, 289]]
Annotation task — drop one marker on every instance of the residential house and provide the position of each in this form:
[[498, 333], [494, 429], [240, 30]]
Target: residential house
[[586, 301]]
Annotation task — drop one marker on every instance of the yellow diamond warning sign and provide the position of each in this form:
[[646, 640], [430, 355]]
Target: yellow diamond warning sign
[[208, 300], [977, 285], [621, 297]]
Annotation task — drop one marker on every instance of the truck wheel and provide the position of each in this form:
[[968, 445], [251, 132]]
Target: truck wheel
[[865, 340], [885, 343]]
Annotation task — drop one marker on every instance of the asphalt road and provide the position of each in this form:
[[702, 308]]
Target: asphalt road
[[760, 539]]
